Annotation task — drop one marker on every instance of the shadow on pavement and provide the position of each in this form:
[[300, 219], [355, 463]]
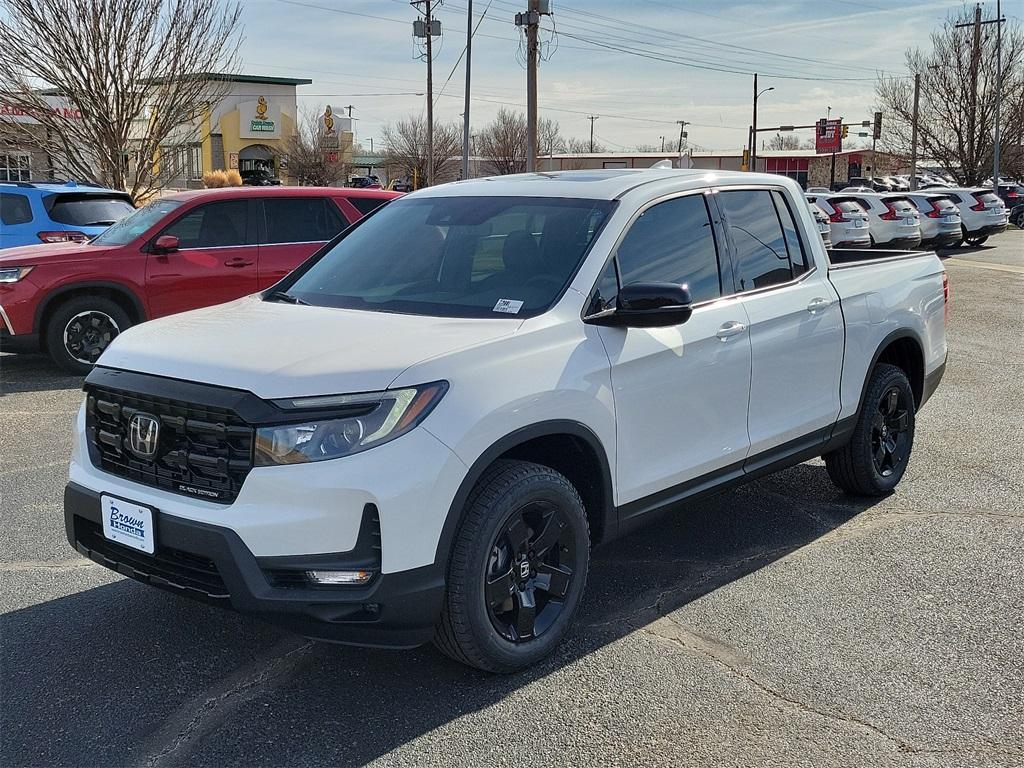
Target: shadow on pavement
[[123, 674], [33, 373]]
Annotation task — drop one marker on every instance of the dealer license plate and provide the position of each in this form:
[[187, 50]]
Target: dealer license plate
[[950, 220], [128, 524]]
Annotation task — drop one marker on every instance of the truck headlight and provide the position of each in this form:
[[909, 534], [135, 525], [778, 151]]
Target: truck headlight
[[13, 274], [352, 423]]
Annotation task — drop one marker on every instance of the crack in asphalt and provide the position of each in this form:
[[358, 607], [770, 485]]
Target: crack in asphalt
[[195, 718], [725, 656], [47, 565]]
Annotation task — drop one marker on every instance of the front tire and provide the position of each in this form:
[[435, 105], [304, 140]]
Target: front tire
[[875, 459], [81, 328], [976, 241], [517, 569]]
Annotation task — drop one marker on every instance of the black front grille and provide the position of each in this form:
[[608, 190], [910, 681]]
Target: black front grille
[[202, 451], [167, 567]]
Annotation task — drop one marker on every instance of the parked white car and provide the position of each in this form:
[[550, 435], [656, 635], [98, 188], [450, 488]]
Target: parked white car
[[847, 218], [940, 219], [421, 432], [895, 221], [824, 225], [982, 213]]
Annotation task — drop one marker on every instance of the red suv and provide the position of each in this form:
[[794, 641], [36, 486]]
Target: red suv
[[179, 252]]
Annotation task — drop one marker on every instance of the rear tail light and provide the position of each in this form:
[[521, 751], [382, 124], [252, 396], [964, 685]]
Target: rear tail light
[[945, 295], [891, 214], [978, 206], [935, 212], [63, 237], [837, 217]]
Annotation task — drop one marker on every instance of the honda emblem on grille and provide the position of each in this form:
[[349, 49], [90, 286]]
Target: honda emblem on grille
[[143, 434]]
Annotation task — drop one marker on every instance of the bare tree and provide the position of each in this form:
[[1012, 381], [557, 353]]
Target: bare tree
[[783, 141], [405, 149], [647, 148], [131, 68], [502, 143], [959, 138], [309, 160], [549, 137]]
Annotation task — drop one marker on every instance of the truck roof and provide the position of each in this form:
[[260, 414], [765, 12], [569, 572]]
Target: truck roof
[[597, 184]]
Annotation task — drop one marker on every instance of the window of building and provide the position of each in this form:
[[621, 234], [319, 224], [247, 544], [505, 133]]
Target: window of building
[[185, 160], [215, 225], [761, 256], [15, 166], [301, 219], [673, 242], [14, 209]]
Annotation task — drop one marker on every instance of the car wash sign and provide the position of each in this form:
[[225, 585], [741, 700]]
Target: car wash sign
[[828, 136]]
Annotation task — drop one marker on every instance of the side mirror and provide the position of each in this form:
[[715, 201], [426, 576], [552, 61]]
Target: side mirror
[[648, 305], [165, 244]]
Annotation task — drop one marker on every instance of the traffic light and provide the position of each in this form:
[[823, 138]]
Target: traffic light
[[876, 131], [846, 131], [822, 123]]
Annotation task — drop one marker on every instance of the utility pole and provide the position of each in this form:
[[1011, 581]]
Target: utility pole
[[662, 143], [753, 131], [465, 113], [533, 22], [999, 94], [913, 132], [592, 118], [349, 108], [972, 112], [682, 134], [428, 27]]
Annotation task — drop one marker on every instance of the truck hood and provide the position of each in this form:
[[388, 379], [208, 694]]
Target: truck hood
[[49, 253], [277, 350]]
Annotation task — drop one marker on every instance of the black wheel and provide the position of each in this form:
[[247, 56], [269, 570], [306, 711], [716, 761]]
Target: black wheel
[[517, 569], [976, 241], [81, 328], [876, 457]]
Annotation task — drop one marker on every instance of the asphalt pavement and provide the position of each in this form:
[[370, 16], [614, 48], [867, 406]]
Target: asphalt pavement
[[780, 624]]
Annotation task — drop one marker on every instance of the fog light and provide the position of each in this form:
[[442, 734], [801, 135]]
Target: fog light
[[336, 578]]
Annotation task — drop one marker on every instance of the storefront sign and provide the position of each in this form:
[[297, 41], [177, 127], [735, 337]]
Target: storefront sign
[[259, 119], [828, 136], [16, 114]]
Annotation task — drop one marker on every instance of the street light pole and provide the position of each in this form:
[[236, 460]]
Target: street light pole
[[753, 127]]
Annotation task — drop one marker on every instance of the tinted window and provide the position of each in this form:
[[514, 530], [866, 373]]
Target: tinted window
[[136, 223], [605, 291], [301, 219], [673, 242], [849, 206], [367, 204], [797, 256], [214, 225], [761, 257], [89, 210], [14, 209], [457, 256]]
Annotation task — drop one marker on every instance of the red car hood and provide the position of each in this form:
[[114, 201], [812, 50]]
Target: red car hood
[[49, 253]]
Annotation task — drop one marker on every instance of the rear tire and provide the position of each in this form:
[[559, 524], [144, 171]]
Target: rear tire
[[81, 328], [875, 459], [517, 570], [976, 241]]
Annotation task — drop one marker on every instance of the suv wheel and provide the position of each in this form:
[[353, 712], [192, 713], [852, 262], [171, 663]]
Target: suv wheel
[[976, 241], [81, 328], [517, 569], [876, 457]]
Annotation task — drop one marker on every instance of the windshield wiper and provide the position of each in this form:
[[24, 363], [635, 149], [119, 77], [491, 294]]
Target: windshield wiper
[[286, 297], [103, 223]]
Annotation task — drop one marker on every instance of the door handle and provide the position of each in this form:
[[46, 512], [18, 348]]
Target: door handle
[[732, 328], [818, 304], [237, 262]]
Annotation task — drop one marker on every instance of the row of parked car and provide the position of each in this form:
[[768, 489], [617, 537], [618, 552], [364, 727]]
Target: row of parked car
[[858, 217]]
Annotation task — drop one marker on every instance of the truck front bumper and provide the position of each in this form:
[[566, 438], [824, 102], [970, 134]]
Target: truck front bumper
[[212, 564]]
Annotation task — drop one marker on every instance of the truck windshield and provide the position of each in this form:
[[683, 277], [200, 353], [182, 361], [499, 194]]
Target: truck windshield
[[457, 257], [135, 223]]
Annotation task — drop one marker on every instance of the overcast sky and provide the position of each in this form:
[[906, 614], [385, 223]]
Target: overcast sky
[[361, 52]]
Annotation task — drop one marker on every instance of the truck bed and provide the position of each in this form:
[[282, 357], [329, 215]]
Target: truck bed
[[852, 257]]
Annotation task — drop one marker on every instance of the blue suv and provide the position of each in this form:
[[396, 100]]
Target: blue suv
[[51, 212]]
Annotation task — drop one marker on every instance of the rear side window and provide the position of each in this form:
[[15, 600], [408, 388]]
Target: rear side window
[[986, 197], [366, 205], [14, 209], [214, 225], [849, 206], [89, 210], [301, 219], [673, 242], [797, 256], [761, 255]]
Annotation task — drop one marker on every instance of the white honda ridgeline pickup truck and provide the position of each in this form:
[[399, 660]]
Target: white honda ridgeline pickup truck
[[422, 432]]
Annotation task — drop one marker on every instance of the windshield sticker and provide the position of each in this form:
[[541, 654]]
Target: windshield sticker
[[508, 306]]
